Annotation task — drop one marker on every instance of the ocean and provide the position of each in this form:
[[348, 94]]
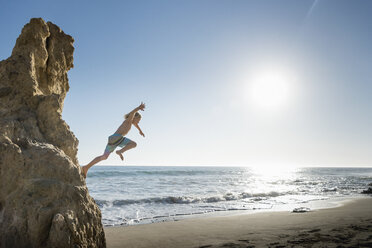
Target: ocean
[[129, 195]]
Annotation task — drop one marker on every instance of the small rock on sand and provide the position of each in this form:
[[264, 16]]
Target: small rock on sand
[[301, 210]]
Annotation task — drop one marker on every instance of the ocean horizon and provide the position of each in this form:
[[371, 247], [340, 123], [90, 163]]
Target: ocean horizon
[[130, 195]]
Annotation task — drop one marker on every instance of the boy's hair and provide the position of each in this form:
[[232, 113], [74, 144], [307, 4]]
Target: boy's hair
[[135, 115]]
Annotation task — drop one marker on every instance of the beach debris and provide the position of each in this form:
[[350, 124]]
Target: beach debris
[[44, 201], [301, 210], [368, 191]]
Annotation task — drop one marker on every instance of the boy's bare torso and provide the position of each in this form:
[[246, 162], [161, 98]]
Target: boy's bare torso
[[124, 128]]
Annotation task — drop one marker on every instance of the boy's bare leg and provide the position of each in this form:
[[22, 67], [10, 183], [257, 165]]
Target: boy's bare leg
[[93, 162], [126, 148]]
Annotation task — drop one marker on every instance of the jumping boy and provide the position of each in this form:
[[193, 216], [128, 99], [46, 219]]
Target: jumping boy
[[118, 139]]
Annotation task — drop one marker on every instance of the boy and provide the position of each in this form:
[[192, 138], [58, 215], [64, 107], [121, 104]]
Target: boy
[[118, 139]]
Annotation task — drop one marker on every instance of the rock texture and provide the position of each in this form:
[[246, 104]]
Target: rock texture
[[368, 191], [44, 201]]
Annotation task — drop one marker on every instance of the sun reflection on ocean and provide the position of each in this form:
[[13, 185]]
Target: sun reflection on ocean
[[275, 172], [271, 180]]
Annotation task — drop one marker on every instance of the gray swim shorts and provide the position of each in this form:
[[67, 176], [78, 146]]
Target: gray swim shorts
[[114, 141]]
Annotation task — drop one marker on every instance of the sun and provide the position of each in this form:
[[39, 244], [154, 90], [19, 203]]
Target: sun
[[270, 89]]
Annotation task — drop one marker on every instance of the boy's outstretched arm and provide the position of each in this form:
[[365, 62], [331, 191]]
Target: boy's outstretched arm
[[139, 129], [132, 113]]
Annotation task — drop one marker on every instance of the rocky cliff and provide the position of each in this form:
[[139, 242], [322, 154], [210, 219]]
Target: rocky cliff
[[44, 201]]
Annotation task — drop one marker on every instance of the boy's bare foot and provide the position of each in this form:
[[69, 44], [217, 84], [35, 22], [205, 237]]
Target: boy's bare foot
[[120, 155], [84, 169]]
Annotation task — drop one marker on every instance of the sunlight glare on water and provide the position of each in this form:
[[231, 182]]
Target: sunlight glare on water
[[271, 173], [272, 180]]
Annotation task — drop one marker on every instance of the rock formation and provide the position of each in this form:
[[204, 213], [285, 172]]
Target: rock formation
[[44, 201], [368, 191]]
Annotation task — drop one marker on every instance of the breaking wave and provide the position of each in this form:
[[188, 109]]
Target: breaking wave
[[189, 199]]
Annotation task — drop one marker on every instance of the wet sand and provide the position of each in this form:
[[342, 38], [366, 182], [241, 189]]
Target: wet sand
[[349, 225]]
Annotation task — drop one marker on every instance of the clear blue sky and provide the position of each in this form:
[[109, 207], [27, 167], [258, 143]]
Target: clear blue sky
[[195, 64]]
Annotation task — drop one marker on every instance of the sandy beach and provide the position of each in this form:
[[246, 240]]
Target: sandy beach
[[349, 225]]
